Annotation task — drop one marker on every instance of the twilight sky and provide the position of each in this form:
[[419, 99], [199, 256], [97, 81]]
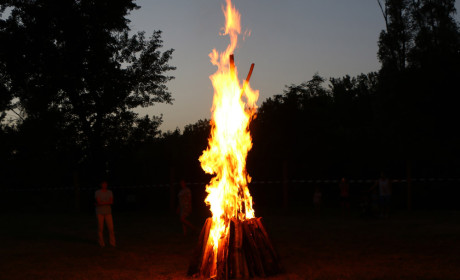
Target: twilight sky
[[290, 41]]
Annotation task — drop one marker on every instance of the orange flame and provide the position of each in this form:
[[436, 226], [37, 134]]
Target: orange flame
[[230, 140]]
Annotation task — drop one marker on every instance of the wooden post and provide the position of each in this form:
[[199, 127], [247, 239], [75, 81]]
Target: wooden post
[[409, 185], [285, 186], [76, 186], [172, 191]]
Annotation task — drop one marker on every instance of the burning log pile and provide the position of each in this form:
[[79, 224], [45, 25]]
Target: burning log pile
[[233, 243], [244, 248], [246, 252]]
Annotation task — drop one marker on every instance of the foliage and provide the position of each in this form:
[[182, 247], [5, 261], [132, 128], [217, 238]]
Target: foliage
[[317, 131], [77, 74], [419, 51]]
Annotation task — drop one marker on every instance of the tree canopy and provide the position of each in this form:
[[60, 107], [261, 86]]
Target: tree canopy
[[75, 73]]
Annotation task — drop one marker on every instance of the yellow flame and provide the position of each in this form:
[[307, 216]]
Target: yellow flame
[[230, 140]]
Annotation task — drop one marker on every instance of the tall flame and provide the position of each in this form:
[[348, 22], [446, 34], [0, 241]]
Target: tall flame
[[230, 140]]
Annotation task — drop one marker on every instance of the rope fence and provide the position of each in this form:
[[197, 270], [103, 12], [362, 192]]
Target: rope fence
[[262, 182]]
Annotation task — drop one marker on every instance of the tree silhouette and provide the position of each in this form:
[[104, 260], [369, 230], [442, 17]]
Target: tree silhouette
[[78, 74], [417, 88]]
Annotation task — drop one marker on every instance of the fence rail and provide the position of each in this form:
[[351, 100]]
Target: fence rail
[[261, 182]]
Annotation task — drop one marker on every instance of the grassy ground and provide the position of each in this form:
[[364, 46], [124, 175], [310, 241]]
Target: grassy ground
[[63, 246]]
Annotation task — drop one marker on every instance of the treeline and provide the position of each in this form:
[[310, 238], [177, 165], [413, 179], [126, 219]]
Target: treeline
[[73, 78]]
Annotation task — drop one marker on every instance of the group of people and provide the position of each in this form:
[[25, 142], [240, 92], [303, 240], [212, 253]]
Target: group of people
[[380, 193], [381, 190], [104, 200]]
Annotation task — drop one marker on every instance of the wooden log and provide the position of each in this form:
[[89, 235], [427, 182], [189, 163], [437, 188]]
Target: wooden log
[[264, 232], [248, 77], [252, 250], [266, 255], [272, 262], [205, 246], [245, 267], [222, 258], [249, 257], [197, 257], [238, 268], [232, 65], [237, 247], [231, 252], [208, 266]]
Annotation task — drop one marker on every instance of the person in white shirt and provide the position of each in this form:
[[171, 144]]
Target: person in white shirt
[[104, 200]]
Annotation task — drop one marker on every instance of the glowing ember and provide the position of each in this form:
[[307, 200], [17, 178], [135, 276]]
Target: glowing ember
[[230, 141]]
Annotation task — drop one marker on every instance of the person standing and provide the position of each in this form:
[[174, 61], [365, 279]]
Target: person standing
[[185, 207], [317, 199], [104, 201], [384, 191], [344, 187]]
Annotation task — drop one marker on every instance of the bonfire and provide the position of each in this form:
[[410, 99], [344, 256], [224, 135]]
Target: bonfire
[[233, 243]]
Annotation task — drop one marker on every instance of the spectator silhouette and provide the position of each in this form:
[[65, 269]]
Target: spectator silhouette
[[384, 190], [185, 207], [317, 200], [344, 187], [104, 200]]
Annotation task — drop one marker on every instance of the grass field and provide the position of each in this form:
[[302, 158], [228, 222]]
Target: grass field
[[408, 245]]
